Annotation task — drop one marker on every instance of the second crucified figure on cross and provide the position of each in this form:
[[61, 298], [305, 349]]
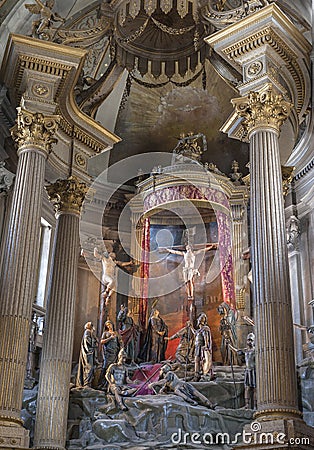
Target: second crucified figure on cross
[[109, 264]]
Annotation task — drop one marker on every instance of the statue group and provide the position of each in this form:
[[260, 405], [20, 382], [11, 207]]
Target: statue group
[[120, 354]]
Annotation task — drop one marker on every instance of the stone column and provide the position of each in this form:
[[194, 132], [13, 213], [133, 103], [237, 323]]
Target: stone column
[[53, 394], [33, 135], [263, 113]]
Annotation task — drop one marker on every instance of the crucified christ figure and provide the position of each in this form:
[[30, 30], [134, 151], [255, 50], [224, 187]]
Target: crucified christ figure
[[189, 270]]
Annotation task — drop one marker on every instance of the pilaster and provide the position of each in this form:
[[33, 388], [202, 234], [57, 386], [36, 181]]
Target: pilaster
[[137, 231], [241, 268], [293, 234], [6, 189], [136, 252], [53, 395]]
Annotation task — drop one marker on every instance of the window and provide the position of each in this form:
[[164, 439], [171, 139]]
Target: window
[[45, 237]]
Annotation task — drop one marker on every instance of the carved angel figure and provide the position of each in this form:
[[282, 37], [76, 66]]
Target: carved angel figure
[[191, 145], [42, 27]]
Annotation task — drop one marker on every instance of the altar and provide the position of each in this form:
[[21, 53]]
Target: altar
[[190, 204]]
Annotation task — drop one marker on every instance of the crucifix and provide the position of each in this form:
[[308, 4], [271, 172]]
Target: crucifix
[[109, 264], [189, 270]]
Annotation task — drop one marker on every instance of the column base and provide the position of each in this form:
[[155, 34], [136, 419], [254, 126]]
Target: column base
[[48, 447], [277, 434], [13, 436]]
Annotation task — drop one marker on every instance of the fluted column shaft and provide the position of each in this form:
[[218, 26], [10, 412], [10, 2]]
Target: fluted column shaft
[[33, 135], [56, 362], [264, 112], [276, 374], [53, 394]]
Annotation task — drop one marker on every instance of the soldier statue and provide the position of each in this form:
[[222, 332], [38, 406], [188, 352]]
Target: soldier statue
[[250, 371], [203, 348]]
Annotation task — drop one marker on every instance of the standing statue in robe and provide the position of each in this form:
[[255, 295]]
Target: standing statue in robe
[[111, 344], [185, 349], [203, 348], [189, 270], [88, 357], [155, 344], [128, 332]]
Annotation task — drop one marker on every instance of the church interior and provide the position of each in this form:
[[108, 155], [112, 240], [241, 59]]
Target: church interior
[[156, 224]]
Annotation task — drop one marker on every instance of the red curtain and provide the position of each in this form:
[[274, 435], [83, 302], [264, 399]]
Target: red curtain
[[144, 274]]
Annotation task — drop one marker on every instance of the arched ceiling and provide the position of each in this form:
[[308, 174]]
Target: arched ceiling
[[150, 111], [154, 118]]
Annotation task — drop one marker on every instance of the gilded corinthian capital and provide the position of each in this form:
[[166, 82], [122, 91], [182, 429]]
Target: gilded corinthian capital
[[34, 129], [67, 195], [264, 109]]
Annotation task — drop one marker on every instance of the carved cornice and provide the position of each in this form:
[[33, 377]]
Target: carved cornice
[[35, 130], [265, 36], [81, 135], [264, 109], [305, 170], [67, 195], [269, 37], [198, 177], [267, 47], [220, 17], [45, 74]]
